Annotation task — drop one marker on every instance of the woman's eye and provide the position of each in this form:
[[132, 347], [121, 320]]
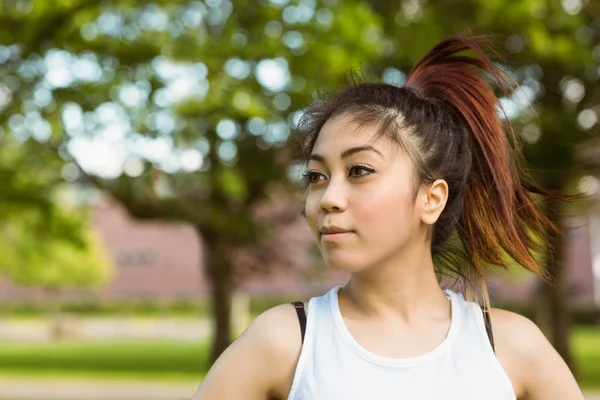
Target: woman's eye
[[314, 177], [311, 177], [359, 170]]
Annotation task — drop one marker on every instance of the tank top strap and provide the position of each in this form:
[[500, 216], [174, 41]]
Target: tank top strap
[[299, 306]]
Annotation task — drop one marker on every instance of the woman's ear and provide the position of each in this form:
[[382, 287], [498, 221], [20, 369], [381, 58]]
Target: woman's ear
[[434, 201]]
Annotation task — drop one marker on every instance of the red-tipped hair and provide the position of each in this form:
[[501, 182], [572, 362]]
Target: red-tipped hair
[[499, 212]]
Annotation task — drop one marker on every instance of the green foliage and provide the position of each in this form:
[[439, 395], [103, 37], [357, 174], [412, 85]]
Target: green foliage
[[245, 69], [232, 184], [53, 262], [41, 242]]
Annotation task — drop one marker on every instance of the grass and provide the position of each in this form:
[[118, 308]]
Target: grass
[[165, 360], [183, 361], [586, 350]]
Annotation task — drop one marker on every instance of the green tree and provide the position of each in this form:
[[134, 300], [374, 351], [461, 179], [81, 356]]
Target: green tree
[[53, 263], [199, 96], [31, 174]]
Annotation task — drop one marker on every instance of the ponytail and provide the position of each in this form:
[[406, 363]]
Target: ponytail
[[499, 214]]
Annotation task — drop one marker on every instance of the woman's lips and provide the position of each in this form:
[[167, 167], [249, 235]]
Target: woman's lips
[[333, 237]]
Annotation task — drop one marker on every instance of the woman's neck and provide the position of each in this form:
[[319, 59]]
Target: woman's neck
[[401, 289]]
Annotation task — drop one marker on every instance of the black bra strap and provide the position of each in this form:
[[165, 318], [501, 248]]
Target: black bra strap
[[301, 317], [488, 326]]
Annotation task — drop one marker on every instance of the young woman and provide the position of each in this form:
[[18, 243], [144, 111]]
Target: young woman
[[404, 184]]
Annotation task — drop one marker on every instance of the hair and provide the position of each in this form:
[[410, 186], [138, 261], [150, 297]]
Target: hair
[[447, 118]]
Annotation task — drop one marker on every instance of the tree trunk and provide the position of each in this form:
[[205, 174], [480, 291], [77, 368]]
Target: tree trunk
[[220, 273], [554, 312]]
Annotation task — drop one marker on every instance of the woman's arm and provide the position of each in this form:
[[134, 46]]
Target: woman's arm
[[260, 364], [537, 369]]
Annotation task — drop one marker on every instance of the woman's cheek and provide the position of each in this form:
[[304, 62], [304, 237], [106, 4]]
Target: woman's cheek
[[311, 209], [383, 214]]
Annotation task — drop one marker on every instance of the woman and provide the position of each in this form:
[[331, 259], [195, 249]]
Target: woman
[[400, 178]]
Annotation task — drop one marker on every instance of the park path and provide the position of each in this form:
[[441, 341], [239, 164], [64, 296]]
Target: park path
[[46, 389], [113, 328], [30, 389]]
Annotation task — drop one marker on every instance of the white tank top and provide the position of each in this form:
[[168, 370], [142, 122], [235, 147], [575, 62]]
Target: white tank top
[[333, 366]]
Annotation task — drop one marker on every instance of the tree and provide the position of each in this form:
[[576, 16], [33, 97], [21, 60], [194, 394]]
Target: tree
[[202, 93], [54, 263], [30, 176], [42, 243]]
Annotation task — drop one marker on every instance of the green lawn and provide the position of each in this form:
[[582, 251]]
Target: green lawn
[[586, 349], [127, 360], [167, 360]]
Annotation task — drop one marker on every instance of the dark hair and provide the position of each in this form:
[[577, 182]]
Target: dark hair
[[447, 119]]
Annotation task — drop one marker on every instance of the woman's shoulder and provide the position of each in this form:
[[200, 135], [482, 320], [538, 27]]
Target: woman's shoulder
[[516, 332], [278, 328], [515, 338], [261, 362], [508, 321], [277, 332], [527, 356]]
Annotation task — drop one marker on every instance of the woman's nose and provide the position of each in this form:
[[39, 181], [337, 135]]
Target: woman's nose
[[334, 198]]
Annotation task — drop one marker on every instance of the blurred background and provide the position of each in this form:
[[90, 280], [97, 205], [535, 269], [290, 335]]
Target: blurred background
[[149, 206]]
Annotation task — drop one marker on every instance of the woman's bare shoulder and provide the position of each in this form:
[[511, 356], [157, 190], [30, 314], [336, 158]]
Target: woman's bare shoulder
[[278, 330], [515, 327], [535, 368], [286, 342], [259, 364]]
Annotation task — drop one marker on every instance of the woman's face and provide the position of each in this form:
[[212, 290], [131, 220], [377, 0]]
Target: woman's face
[[363, 188]]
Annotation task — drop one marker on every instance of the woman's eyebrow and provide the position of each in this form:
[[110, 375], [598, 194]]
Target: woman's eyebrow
[[346, 153]]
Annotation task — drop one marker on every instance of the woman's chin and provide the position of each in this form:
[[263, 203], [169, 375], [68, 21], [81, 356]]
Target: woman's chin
[[339, 265]]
